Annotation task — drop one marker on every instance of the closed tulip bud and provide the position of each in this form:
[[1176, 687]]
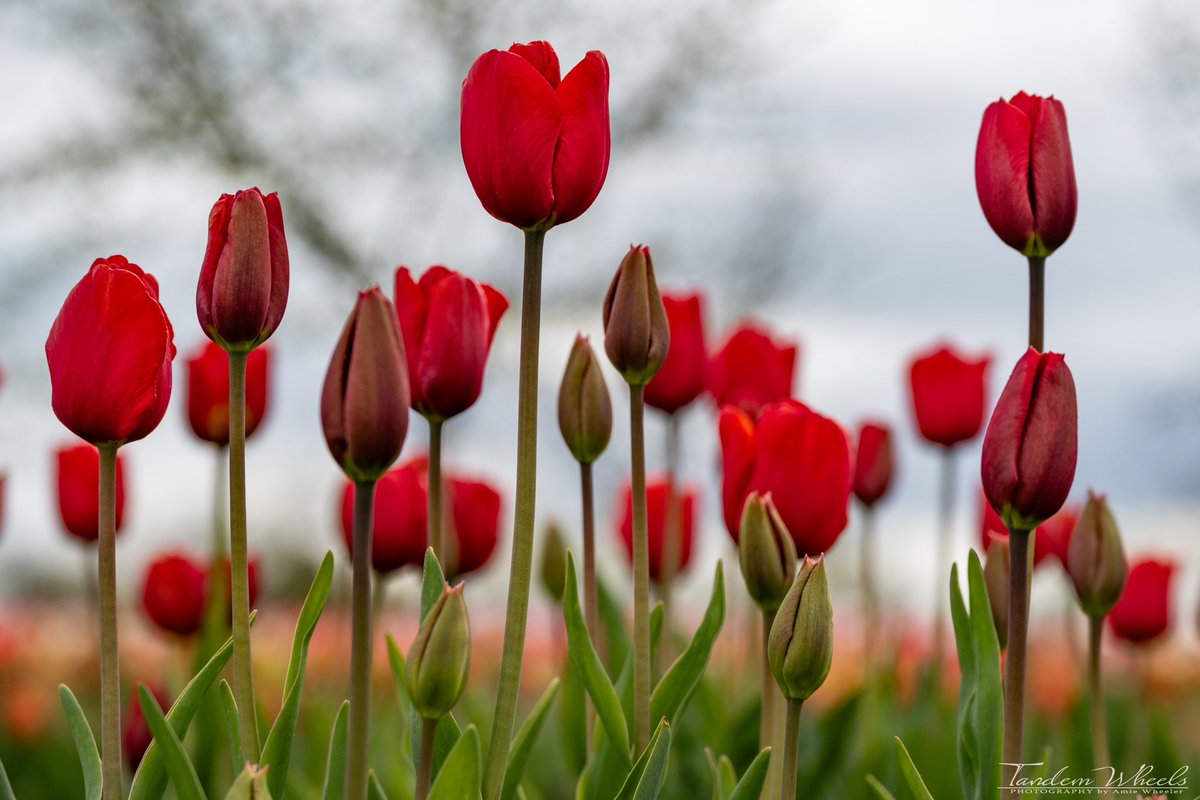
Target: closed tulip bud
[[251, 784], [1096, 559], [109, 353], [243, 287], [949, 395], [766, 552], [173, 594], [1030, 447], [636, 334], [440, 656], [752, 370], [78, 480], [364, 404], [873, 464], [1024, 173], [800, 647], [584, 407], [553, 570], [1143, 613], [684, 374], [208, 392], [536, 148], [995, 577]]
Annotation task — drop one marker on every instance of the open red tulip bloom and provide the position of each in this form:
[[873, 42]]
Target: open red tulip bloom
[[536, 148], [174, 592], [208, 391], [1024, 173], [751, 370], [948, 395], [683, 376], [78, 479], [658, 493], [1144, 611], [109, 353]]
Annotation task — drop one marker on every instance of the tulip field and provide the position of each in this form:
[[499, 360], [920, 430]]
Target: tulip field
[[780, 671]]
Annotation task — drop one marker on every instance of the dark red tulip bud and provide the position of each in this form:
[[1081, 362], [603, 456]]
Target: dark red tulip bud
[[77, 475], [948, 395], [1096, 559], [110, 352], [1144, 611], [802, 459], [657, 497], [996, 577], [751, 370], [1030, 447], [1024, 173], [636, 334], [208, 392], [584, 406], [447, 321], [535, 147], [135, 734], [243, 286], [364, 404], [684, 374], [173, 594], [873, 463]]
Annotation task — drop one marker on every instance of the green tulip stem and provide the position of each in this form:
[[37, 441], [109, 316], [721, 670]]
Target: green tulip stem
[[641, 572], [591, 602], [870, 588], [435, 493], [1100, 757], [673, 543], [944, 549], [521, 566], [360, 641], [766, 728], [1018, 625], [110, 674], [791, 748], [243, 677], [425, 758], [1037, 301]]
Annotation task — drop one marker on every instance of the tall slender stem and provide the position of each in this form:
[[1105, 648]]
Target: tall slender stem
[[1018, 625], [425, 757], [243, 677], [521, 567], [791, 748], [770, 694], [435, 493], [673, 540], [360, 642], [591, 602], [110, 670], [944, 550], [870, 590], [1100, 757], [1037, 301], [641, 573]]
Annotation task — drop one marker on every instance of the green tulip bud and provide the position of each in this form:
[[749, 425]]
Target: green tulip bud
[[1096, 559], [250, 785], [766, 552], [584, 407], [440, 656], [553, 570], [636, 334], [995, 577], [800, 647]]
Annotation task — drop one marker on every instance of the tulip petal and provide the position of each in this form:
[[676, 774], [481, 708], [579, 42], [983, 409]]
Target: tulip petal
[[581, 161], [1049, 445], [1002, 176], [1053, 176], [280, 268], [737, 456], [476, 517], [542, 57], [497, 304], [453, 350], [372, 389], [1001, 442], [412, 308], [511, 121], [239, 304]]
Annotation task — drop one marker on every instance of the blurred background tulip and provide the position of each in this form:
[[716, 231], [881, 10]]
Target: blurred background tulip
[[208, 391], [657, 496], [751, 369], [1143, 613], [683, 376], [77, 475], [173, 593]]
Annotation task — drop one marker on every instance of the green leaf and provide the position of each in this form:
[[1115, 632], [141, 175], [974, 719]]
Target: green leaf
[[617, 644], [335, 763], [251, 784], [522, 744], [85, 747], [462, 773], [677, 685], [881, 791], [6, 792], [179, 768], [583, 656], [374, 788], [433, 581], [754, 778], [277, 751], [916, 784], [232, 731], [151, 779], [646, 777], [724, 777]]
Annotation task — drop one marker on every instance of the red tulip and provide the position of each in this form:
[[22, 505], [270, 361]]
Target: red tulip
[[948, 395], [135, 735], [536, 149], [657, 496], [208, 391], [110, 352], [798, 456], [476, 519], [173, 594], [243, 286], [873, 465], [1053, 535], [78, 479], [1024, 173], [448, 321], [364, 403], [1030, 447], [1144, 611], [751, 371], [683, 376]]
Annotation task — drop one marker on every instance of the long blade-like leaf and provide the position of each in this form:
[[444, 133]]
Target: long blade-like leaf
[[987, 712], [433, 581], [912, 776], [335, 763], [522, 744], [6, 790], [85, 746], [677, 685], [232, 731], [179, 768], [881, 791], [462, 774], [374, 787], [754, 778], [646, 777]]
